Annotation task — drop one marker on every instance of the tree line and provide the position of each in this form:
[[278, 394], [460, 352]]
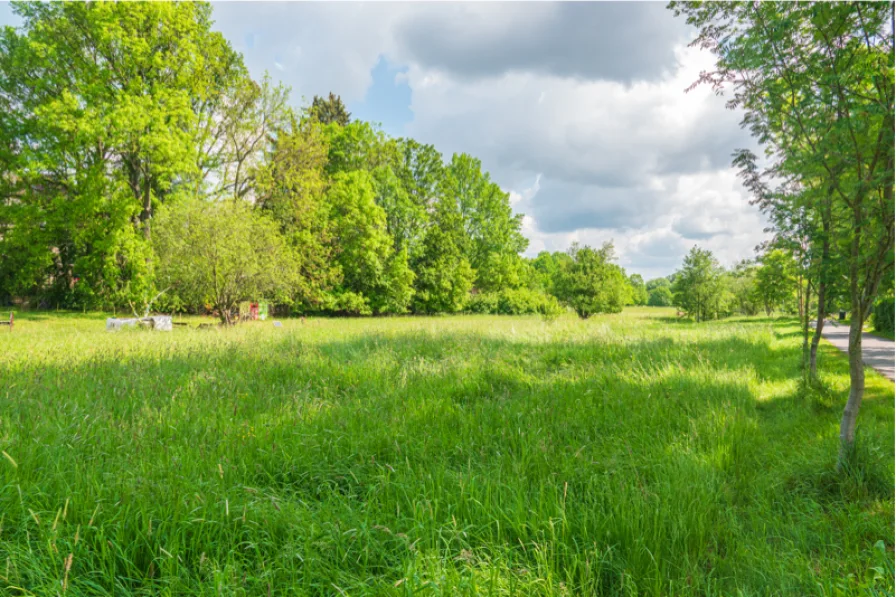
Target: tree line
[[703, 289], [144, 168], [816, 82]]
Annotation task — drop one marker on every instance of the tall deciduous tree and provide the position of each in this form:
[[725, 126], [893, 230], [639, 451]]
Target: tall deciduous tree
[[444, 276], [489, 223], [817, 83], [290, 186], [100, 101], [377, 275]]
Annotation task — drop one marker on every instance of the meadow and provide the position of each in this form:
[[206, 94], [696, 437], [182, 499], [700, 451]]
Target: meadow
[[629, 454]]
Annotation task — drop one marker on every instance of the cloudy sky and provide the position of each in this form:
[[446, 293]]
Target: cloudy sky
[[578, 110]]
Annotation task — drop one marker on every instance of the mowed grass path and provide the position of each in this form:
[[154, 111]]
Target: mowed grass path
[[624, 455]]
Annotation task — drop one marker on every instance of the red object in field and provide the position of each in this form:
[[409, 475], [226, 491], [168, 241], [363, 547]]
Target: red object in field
[[253, 311]]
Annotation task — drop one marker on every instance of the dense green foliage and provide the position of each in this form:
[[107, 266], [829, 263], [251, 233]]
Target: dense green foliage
[[883, 315], [592, 283], [659, 293], [742, 287], [115, 111], [639, 290], [470, 456], [220, 254], [101, 117], [699, 288], [775, 282], [521, 301]]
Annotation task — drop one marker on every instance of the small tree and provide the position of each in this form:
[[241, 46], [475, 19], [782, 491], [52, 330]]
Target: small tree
[[742, 285], [593, 283], [699, 289], [444, 276], [659, 293], [222, 253], [639, 290], [775, 281]]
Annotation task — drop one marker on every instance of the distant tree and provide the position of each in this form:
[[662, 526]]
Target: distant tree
[[639, 289], [660, 296], [371, 269], [220, 254], [330, 109], [742, 285], [659, 293], [699, 289], [593, 283], [290, 187], [444, 276], [547, 267], [490, 226], [775, 282]]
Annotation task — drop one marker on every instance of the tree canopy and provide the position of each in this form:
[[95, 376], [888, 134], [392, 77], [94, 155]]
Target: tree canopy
[[593, 283], [699, 289], [115, 113]]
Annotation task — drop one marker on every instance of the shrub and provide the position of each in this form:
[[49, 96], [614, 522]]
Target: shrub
[[348, 303], [483, 302], [521, 301], [883, 315], [593, 283]]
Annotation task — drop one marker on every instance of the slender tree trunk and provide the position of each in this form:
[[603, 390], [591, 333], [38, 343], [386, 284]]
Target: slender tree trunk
[[804, 324], [856, 368], [146, 216], [856, 389], [819, 325], [822, 294]]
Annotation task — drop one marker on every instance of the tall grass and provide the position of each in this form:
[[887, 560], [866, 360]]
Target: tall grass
[[625, 455]]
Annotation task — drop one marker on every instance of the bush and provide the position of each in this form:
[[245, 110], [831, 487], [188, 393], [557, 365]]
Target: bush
[[883, 315], [483, 302], [348, 303], [521, 301], [660, 297]]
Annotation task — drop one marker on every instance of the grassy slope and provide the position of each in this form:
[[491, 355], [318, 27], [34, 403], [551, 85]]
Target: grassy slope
[[475, 455]]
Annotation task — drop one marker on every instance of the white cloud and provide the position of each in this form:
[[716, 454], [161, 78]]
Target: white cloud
[[621, 154]]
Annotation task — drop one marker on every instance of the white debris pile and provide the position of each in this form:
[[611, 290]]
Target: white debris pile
[[160, 323]]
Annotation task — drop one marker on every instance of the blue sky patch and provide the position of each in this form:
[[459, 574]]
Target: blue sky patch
[[387, 101]]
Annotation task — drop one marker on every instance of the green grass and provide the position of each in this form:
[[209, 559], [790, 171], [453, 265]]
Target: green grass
[[626, 455], [882, 334]]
